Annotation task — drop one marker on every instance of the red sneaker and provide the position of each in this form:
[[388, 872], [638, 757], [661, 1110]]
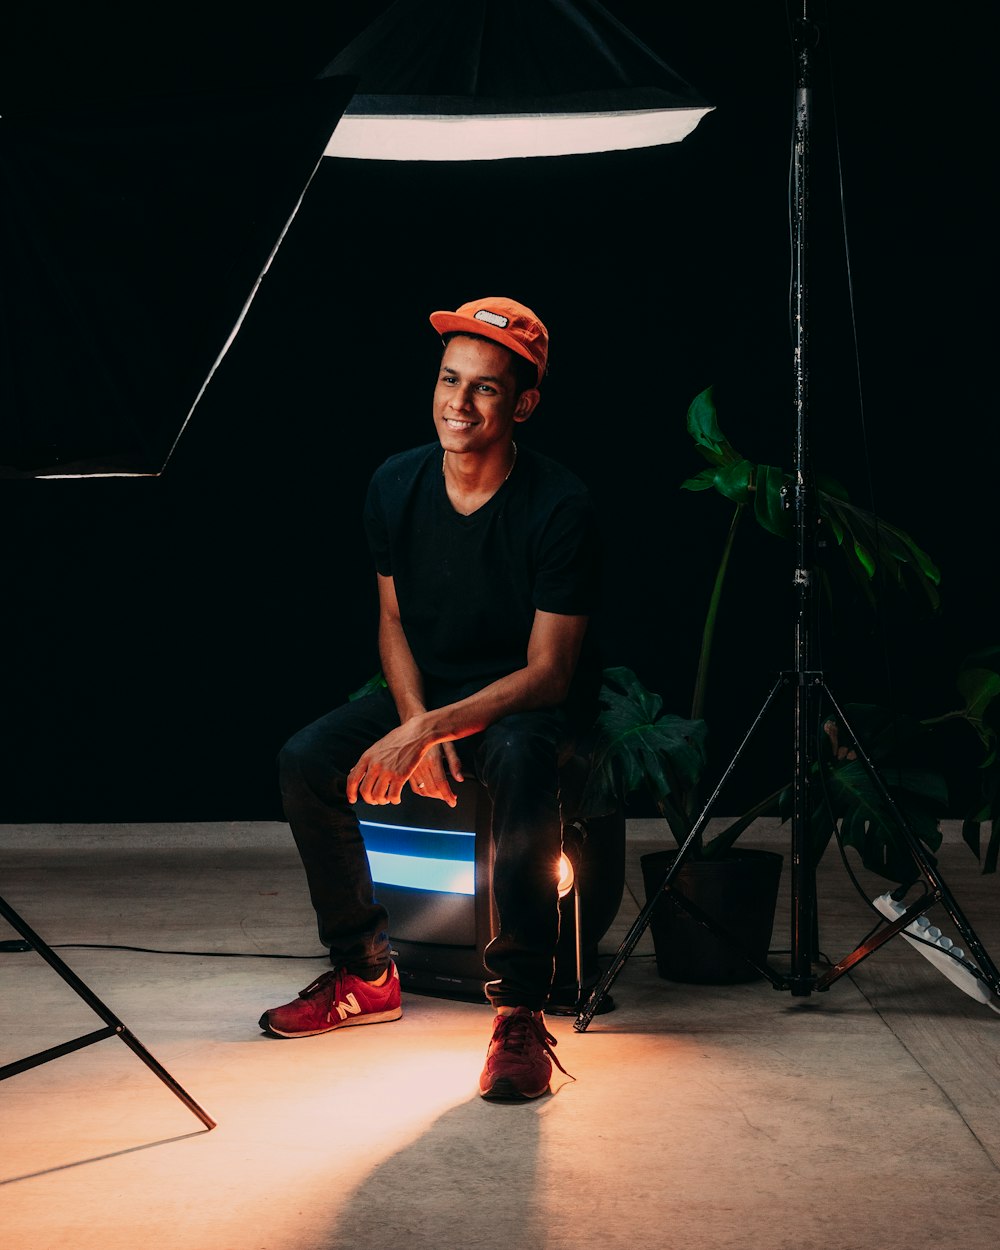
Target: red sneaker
[[334, 1001], [518, 1062]]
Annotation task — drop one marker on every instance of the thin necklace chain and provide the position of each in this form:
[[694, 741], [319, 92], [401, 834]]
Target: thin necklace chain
[[513, 461]]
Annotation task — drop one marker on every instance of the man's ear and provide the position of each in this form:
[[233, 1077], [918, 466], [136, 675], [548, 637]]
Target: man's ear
[[526, 404]]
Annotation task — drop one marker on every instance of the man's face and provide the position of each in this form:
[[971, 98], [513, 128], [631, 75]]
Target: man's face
[[476, 404]]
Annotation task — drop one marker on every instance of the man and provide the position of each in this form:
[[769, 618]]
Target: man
[[487, 574]]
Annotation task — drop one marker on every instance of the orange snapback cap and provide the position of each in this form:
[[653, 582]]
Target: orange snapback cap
[[505, 321]]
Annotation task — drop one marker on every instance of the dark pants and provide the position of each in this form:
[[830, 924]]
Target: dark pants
[[516, 759]]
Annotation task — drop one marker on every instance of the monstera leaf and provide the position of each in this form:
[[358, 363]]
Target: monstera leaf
[[638, 746], [731, 474], [867, 543], [868, 823], [845, 795]]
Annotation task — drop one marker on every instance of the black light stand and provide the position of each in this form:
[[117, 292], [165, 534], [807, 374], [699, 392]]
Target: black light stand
[[808, 682], [114, 1026]]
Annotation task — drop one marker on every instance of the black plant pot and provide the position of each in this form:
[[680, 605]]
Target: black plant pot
[[739, 891]]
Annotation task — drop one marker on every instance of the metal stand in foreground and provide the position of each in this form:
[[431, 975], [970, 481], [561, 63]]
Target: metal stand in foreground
[[115, 1028], [800, 980], [808, 683]]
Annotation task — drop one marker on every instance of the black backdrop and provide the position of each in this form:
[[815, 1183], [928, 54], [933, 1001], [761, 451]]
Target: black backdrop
[[164, 636]]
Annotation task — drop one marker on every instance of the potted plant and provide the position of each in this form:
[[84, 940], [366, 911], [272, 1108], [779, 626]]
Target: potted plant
[[640, 746]]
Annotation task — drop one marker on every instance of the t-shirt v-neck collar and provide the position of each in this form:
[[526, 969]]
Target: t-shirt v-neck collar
[[469, 518]]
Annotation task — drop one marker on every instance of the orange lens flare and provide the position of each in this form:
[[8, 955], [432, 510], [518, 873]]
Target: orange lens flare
[[566, 876]]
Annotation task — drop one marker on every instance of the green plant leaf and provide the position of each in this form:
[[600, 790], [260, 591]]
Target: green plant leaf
[[843, 792], [726, 839], [836, 528], [894, 744], [705, 480], [868, 823], [870, 543], [733, 479], [378, 682], [638, 746], [703, 426], [864, 559], [769, 500]]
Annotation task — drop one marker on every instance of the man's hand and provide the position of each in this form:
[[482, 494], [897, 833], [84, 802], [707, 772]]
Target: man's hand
[[404, 755], [430, 779]]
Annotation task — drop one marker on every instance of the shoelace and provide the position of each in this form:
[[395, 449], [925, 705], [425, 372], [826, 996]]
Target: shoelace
[[322, 984], [517, 1030]]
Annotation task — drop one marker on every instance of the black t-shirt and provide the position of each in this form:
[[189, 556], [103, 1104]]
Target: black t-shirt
[[468, 586]]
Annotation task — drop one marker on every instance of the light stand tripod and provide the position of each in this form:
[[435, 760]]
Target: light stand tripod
[[113, 1026], [808, 683]]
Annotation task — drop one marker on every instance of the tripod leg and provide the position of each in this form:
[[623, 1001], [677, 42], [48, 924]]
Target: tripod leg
[[875, 941], [641, 923], [803, 877], [921, 859], [54, 1052], [115, 1026], [137, 1048]]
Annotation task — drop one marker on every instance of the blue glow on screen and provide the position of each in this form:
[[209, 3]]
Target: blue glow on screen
[[443, 875], [421, 859]]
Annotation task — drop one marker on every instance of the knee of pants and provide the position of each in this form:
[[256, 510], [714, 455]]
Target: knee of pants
[[522, 759], [299, 766]]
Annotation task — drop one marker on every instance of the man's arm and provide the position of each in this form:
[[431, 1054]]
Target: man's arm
[[553, 651]]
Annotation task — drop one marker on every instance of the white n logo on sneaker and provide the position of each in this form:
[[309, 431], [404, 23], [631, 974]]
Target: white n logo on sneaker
[[349, 1007]]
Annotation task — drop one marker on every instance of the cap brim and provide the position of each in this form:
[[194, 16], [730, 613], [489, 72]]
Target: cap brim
[[451, 323]]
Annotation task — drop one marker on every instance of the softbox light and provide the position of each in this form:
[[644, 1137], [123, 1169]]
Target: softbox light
[[536, 77]]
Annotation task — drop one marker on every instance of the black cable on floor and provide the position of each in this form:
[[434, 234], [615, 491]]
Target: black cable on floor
[[149, 950]]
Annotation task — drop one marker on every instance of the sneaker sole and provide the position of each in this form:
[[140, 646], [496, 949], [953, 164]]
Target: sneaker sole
[[371, 1017], [504, 1090]]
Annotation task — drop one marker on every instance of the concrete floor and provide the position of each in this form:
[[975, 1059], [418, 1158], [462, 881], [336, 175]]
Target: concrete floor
[[699, 1117]]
